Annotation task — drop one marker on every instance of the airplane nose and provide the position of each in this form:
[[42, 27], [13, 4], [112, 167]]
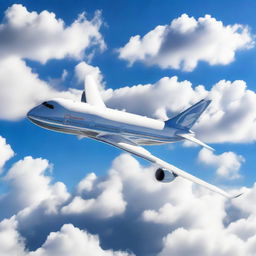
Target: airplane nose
[[31, 114]]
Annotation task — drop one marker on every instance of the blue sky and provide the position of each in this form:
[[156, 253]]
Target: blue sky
[[72, 159]]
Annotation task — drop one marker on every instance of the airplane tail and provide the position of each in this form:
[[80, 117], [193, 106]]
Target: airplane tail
[[186, 119]]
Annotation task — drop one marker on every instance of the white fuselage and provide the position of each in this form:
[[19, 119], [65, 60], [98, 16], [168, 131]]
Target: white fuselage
[[83, 119]]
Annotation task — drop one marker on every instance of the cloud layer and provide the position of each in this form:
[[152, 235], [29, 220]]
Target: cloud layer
[[131, 213], [69, 240], [41, 36], [6, 152], [21, 89], [186, 41], [227, 164]]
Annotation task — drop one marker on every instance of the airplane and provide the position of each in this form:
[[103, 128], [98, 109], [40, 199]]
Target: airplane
[[91, 118]]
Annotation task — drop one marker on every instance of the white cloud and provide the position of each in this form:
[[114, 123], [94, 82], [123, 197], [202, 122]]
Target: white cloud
[[41, 36], [108, 203], [227, 163], [199, 215], [244, 228], [73, 241], [6, 152], [245, 203], [21, 89], [186, 41], [11, 243], [29, 187], [86, 184], [184, 242], [68, 241], [231, 116], [83, 69]]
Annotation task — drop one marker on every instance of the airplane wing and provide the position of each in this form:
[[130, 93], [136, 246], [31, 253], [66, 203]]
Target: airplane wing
[[92, 94], [131, 147]]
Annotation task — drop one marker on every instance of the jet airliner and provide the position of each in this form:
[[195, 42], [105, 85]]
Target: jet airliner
[[91, 118]]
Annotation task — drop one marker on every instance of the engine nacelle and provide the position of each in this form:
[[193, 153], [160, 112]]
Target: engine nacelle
[[164, 175]]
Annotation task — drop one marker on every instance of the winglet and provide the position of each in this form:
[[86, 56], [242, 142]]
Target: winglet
[[236, 196]]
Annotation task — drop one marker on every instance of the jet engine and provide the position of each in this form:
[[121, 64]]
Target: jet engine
[[164, 175]]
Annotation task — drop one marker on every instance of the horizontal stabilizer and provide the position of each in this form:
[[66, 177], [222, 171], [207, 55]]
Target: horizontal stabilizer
[[190, 137]]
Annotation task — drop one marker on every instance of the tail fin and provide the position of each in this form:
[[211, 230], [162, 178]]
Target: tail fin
[[187, 118]]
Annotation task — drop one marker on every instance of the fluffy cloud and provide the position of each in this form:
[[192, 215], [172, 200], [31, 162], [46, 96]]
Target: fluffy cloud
[[228, 163], [197, 242], [245, 203], [109, 201], [154, 218], [186, 41], [244, 228], [41, 36], [86, 184], [21, 89], [29, 187], [11, 243], [231, 116], [73, 241], [68, 241], [6, 152], [175, 214], [83, 69]]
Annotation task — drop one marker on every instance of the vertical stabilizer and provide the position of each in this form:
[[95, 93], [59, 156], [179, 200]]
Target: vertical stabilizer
[[187, 118]]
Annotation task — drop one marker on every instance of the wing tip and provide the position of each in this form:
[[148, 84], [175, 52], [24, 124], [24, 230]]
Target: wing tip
[[208, 147], [208, 101], [236, 196]]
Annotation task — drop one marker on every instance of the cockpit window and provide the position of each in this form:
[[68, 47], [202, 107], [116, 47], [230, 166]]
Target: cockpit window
[[46, 104]]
